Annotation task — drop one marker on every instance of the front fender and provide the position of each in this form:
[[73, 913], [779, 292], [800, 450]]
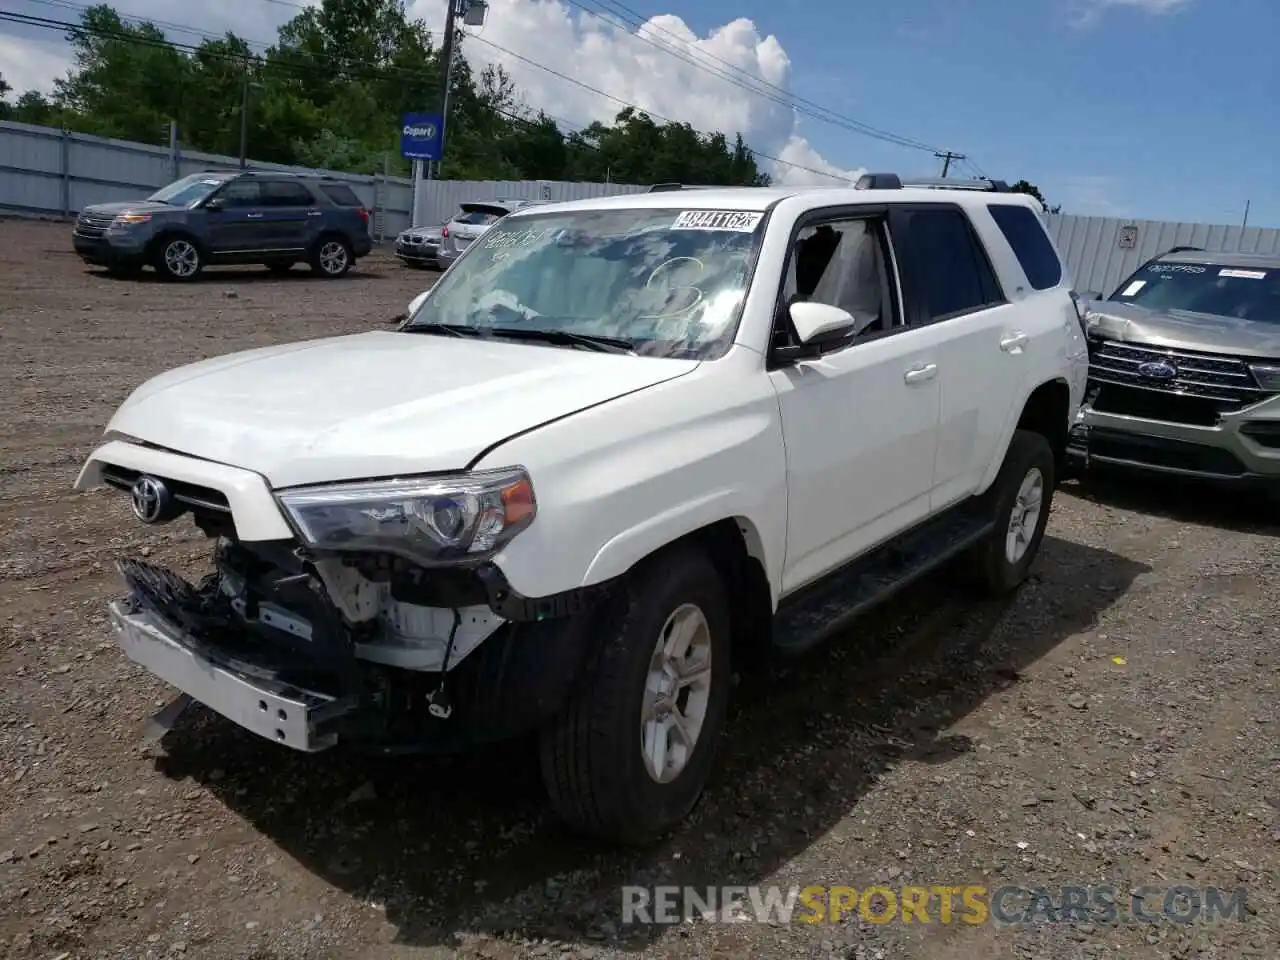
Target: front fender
[[631, 546], [618, 481]]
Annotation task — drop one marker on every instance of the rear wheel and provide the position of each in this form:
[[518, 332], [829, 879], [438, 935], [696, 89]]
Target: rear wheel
[[1019, 501], [178, 258], [631, 754], [332, 257]]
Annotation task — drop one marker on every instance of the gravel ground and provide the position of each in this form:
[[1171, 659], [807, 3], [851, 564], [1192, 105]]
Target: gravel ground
[[1115, 724]]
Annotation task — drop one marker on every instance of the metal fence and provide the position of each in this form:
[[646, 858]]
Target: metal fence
[[1100, 252], [44, 171], [50, 172]]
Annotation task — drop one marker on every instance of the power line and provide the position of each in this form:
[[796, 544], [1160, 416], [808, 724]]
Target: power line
[[758, 85], [52, 24], [281, 66]]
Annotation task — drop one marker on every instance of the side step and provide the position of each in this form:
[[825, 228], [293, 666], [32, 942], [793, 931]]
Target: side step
[[825, 607]]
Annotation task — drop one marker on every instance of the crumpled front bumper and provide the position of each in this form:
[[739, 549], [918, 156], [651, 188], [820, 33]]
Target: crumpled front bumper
[[255, 696]]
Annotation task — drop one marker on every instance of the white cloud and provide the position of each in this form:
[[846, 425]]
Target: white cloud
[[635, 66], [1087, 195], [1090, 11], [31, 64]]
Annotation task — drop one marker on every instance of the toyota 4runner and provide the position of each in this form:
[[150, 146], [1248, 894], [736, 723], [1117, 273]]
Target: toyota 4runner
[[624, 446]]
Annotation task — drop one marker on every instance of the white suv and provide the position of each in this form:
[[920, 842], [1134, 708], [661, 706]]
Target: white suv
[[621, 446]]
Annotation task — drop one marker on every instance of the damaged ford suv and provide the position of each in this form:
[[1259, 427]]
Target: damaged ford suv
[[1184, 374], [624, 446]]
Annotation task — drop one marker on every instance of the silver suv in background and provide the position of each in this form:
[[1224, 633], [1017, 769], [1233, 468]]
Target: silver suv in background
[[1184, 370], [439, 246]]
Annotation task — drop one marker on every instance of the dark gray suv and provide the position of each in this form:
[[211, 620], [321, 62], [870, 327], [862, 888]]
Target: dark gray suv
[[238, 217]]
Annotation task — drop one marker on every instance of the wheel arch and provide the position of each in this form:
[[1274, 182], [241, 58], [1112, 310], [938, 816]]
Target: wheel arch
[[1046, 411], [174, 232], [737, 550]]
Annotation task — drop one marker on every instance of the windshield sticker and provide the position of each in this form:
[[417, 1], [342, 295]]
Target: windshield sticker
[[1176, 268], [739, 221], [1244, 274], [1133, 288]]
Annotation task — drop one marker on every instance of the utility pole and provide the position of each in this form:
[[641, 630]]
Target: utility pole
[[1245, 222], [946, 159], [446, 69], [244, 117]]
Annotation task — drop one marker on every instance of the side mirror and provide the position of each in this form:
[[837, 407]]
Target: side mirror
[[215, 204], [416, 302], [816, 320]]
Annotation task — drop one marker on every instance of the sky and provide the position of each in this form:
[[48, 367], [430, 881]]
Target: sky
[[1144, 109]]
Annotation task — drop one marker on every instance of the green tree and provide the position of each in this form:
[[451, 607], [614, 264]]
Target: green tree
[[1024, 186], [330, 92]]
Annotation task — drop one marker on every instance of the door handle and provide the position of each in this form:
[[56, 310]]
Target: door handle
[[1015, 342], [920, 374], [254, 216], [315, 213]]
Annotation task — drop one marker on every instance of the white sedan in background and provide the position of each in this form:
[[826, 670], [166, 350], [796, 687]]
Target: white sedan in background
[[440, 246]]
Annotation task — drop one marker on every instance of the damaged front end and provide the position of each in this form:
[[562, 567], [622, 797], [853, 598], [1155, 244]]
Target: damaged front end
[[312, 641]]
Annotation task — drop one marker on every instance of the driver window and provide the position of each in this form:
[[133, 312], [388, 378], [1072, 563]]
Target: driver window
[[841, 263], [240, 193]]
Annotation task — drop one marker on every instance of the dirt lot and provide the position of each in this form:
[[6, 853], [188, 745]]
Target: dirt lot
[[1116, 724]]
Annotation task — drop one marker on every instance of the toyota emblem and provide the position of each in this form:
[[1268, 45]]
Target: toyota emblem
[[150, 499]]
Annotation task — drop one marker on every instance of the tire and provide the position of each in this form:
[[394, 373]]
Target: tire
[[592, 754], [178, 258], [331, 257], [995, 565], [279, 266]]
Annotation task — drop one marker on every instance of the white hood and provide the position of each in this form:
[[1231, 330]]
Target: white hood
[[377, 404]]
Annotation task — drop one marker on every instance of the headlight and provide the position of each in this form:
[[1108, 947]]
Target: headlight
[[1267, 375], [126, 219], [433, 521]]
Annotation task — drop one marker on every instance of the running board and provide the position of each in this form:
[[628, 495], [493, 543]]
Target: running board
[[825, 607]]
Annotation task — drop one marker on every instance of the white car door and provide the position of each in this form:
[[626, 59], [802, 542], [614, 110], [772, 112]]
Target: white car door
[[860, 422], [981, 343]]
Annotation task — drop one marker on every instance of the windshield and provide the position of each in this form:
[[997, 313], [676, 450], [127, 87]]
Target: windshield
[[184, 192], [1225, 291], [667, 282]]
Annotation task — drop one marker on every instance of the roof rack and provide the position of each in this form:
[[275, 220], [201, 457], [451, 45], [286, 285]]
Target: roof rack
[[891, 181]]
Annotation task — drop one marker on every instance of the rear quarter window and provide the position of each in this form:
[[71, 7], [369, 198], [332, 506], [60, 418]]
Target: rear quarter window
[[1030, 243], [340, 194]]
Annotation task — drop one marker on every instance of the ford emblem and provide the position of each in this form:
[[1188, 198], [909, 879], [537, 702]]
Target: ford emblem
[[1158, 370]]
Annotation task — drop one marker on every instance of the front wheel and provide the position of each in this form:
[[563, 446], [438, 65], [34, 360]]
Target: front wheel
[[1019, 501], [179, 258], [332, 257], [629, 757]]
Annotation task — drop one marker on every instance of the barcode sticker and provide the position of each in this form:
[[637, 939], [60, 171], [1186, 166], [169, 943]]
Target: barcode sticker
[[1133, 288], [1244, 274]]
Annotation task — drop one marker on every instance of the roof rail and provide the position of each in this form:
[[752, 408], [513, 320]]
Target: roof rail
[[892, 181], [879, 181], [664, 187]]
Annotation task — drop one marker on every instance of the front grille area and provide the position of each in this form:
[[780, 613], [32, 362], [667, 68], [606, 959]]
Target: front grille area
[[190, 495], [1205, 387], [92, 227]]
